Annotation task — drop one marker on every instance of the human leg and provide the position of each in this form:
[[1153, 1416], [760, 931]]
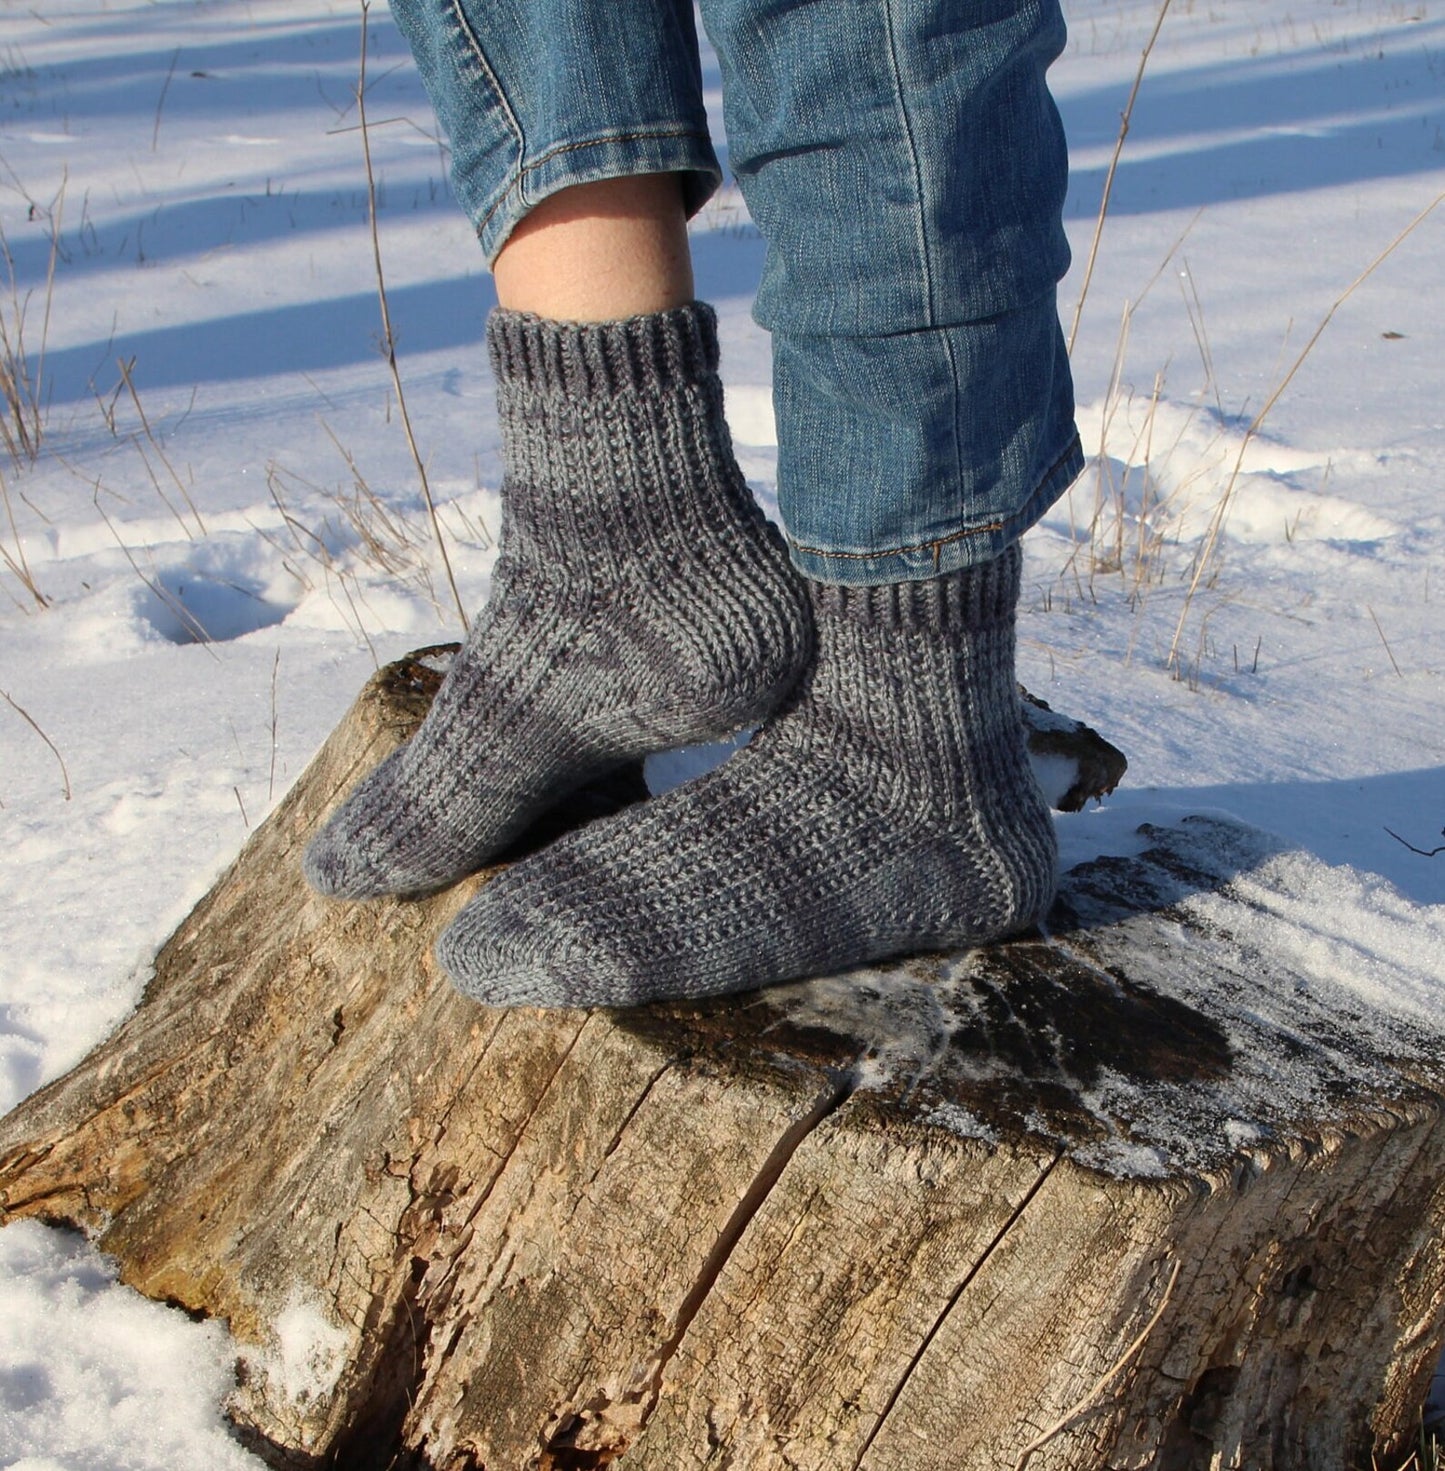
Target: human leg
[[906, 166], [925, 417], [600, 252], [540, 97], [639, 599]]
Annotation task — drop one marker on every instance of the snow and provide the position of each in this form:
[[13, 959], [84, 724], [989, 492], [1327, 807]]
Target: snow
[[309, 1351], [225, 554], [1310, 974], [93, 1377]]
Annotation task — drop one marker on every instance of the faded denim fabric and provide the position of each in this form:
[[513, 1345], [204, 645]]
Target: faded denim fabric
[[536, 95], [906, 166]]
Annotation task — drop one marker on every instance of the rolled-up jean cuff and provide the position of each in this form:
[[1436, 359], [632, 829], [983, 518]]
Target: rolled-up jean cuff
[[687, 153], [967, 546]]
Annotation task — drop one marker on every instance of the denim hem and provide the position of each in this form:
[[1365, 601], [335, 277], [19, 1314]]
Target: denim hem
[[682, 151], [965, 546]]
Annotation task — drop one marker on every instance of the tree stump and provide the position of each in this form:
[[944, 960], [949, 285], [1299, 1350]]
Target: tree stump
[[1145, 1193]]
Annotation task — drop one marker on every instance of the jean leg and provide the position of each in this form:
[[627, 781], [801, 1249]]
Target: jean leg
[[906, 166], [536, 95]]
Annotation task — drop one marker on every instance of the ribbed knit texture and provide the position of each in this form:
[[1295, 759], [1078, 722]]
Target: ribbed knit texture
[[889, 809], [639, 601]]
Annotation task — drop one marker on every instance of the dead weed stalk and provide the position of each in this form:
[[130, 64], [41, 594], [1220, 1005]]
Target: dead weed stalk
[[184, 617], [358, 532], [1135, 512], [15, 561], [127, 369], [388, 339], [1428, 1454], [1124, 122], [22, 351], [30, 720], [1208, 549]]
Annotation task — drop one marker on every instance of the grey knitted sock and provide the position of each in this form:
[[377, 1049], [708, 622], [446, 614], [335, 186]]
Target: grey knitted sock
[[640, 601], [889, 809]]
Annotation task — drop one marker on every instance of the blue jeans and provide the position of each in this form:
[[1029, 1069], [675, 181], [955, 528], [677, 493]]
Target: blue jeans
[[906, 166]]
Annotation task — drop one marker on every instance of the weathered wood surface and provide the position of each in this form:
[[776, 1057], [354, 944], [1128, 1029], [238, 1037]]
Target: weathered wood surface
[[907, 1218]]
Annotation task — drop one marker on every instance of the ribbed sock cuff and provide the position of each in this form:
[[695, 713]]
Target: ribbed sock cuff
[[658, 352], [971, 598]]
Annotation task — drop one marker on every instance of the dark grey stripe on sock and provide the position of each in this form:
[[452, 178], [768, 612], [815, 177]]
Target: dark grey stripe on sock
[[662, 352]]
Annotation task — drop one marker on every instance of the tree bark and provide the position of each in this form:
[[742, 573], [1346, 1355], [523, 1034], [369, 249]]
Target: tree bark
[[1145, 1193]]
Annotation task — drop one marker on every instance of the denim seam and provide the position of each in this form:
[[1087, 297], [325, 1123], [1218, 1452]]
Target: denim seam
[[936, 544], [464, 26], [925, 255], [923, 546], [958, 407], [514, 185]]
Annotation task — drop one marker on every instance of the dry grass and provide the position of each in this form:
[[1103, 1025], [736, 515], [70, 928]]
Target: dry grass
[[22, 343], [1208, 548], [54, 749], [16, 563], [127, 371], [1134, 518], [1427, 1455], [1136, 506], [1124, 122], [357, 540], [1141, 497], [388, 338], [186, 620], [1133, 527]]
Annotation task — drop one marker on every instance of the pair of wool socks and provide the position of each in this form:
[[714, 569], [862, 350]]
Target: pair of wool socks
[[888, 809], [641, 603]]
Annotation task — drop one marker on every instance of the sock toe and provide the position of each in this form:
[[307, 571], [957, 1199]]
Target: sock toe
[[328, 868], [351, 856], [497, 952]]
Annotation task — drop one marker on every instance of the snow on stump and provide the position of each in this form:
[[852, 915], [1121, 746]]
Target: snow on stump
[[1166, 1189]]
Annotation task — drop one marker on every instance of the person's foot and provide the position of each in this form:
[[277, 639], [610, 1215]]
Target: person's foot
[[640, 601], [889, 809]]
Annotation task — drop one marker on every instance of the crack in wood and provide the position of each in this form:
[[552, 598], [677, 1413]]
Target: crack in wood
[[642, 1097], [561, 1450], [486, 1194], [927, 1340], [484, 1052]]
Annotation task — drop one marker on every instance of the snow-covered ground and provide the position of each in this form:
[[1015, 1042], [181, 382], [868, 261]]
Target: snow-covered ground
[[223, 531]]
